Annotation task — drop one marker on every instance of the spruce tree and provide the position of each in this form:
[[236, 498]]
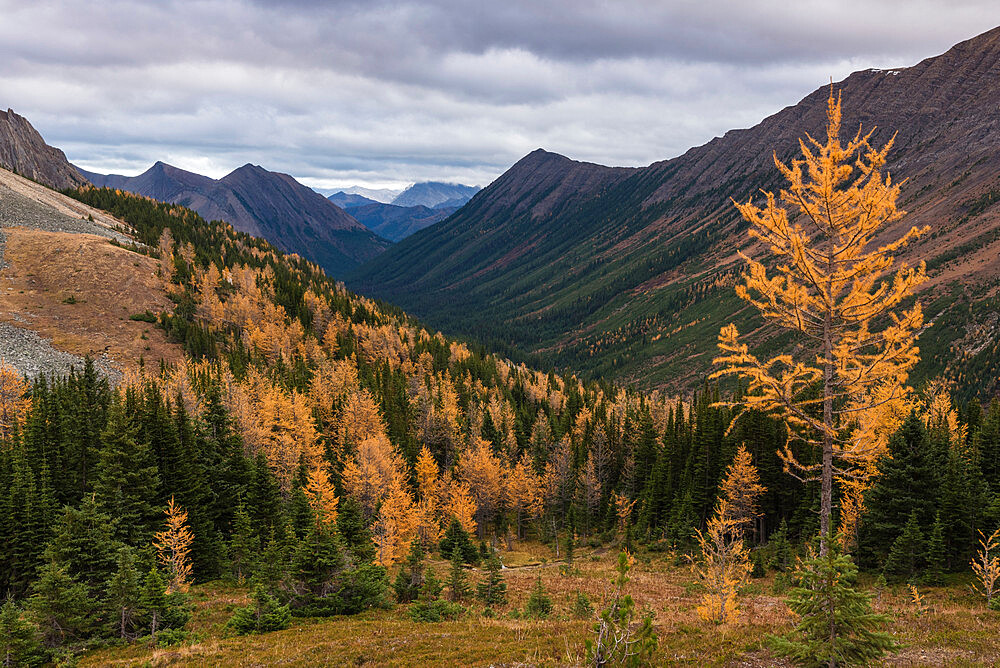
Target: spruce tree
[[262, 615], [458, 586], [127, 483], [121, 601], [836, 626], [411, 574], [457, 537], [430, 590], [63, 607], [20, 644], [492, 590], [244, 547], [83, 545], [934, 572], [163, 611], [355, 533], [908, 552]]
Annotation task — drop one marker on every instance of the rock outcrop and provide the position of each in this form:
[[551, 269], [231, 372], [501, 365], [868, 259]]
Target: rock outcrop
[[22, 150]]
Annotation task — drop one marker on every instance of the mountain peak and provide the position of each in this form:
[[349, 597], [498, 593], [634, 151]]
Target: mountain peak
[[23, 150]]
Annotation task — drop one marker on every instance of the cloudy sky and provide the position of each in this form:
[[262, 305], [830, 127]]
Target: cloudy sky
[[383, 93]]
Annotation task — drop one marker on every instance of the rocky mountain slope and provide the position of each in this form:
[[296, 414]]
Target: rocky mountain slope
[[265, 204], [629, 273], [22, 150]]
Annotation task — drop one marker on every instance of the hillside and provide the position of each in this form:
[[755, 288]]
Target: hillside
[[398, 222], [628, 273], [23, 151], [265, 204]]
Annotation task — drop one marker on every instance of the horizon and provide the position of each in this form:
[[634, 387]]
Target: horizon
[[427, 90]]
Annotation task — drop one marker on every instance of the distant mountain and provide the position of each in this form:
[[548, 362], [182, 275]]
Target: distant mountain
[[23, 150], [629, 273], [433, 193], [383, 195], [398, 222], [265, 204], [349, 200]]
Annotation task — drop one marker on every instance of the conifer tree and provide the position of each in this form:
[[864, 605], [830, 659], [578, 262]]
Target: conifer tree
[[935, 553], [457, 537], [173, 548], [163, 610], [355, 532], [411, 574], [431, 589], [83, 545], [836, 624], [492, 589], [244, 547], [126, 481], [262, 615], [833, 287], [539, 605], [20, 644], [124, 590], [458, 586], [620, 640], [62, 606], [908, 552]]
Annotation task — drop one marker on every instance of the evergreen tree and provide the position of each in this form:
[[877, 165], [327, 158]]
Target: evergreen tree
[[492, 590], [262, 615], [431, 589], [963, 502], [458, 586], [411, 574], [457, 537], [539, 604], [127, 482], [935, 553], [244, 547], [355, 533], [836, 626], [163, 611], [62, 606], [908, 552], [906, 484], [82, 544], [20, 644], [124, 591]]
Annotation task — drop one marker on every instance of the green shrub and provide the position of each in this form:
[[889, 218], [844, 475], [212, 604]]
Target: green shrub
[[435, 611], [262, 615], [145, 316]]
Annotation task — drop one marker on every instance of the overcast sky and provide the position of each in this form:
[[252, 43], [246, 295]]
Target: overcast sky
[[386, 93]]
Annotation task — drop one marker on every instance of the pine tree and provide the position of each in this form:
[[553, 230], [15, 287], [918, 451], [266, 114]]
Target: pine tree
[[163, 610], [620, 640], [831, 287], [458, 586], [82, 544], [492, 589], [457, 537], [836, 625], [20, 644], [908, 552], [244, 547]]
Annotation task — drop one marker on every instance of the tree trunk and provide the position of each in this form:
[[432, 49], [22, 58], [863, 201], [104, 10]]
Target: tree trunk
[[826, 489]]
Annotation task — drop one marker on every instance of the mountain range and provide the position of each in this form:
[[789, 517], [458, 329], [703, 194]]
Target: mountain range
[[266, 204], [23, 151], [628, 273], [417, 207]]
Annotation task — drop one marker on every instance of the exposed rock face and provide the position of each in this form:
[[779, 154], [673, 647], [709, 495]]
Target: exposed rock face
[[626, 272], [23, 150], [265, 204]]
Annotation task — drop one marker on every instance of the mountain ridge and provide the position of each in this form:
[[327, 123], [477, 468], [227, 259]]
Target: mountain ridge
[[628, 272], [23, 151]]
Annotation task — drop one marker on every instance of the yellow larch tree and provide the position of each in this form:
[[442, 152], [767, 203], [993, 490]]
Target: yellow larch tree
[[723, 567], [480, 469], [741, 488], [428, 519], [459, 503], [372, 472], [524, 492], [173, 548], [14, 401], [322, 496], [834, 286]]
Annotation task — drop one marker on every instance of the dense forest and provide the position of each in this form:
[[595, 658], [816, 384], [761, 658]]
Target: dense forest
[[316, 443]]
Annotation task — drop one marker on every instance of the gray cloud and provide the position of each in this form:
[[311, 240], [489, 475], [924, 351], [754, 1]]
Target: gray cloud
[[386, 92]]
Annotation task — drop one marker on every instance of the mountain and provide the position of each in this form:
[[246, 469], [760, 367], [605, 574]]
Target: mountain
[[383, 195], [23, 151], [349, 200], [265, 204], [433, 193], [398, 222], [629, 273]]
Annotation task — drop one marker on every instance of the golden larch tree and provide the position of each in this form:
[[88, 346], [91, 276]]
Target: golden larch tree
[[14, 402], [741, 487], [173, 548], [322, 496], [834, 286], [723, 567]]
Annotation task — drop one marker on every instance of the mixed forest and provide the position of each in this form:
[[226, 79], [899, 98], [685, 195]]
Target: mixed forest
[[322, 453]]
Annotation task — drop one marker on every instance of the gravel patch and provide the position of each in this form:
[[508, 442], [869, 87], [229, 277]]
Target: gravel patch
[[31, 354], [16, 210]]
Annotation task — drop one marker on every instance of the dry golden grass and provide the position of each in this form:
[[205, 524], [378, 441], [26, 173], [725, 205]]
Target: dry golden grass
[[106, 284], [954, 628]]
